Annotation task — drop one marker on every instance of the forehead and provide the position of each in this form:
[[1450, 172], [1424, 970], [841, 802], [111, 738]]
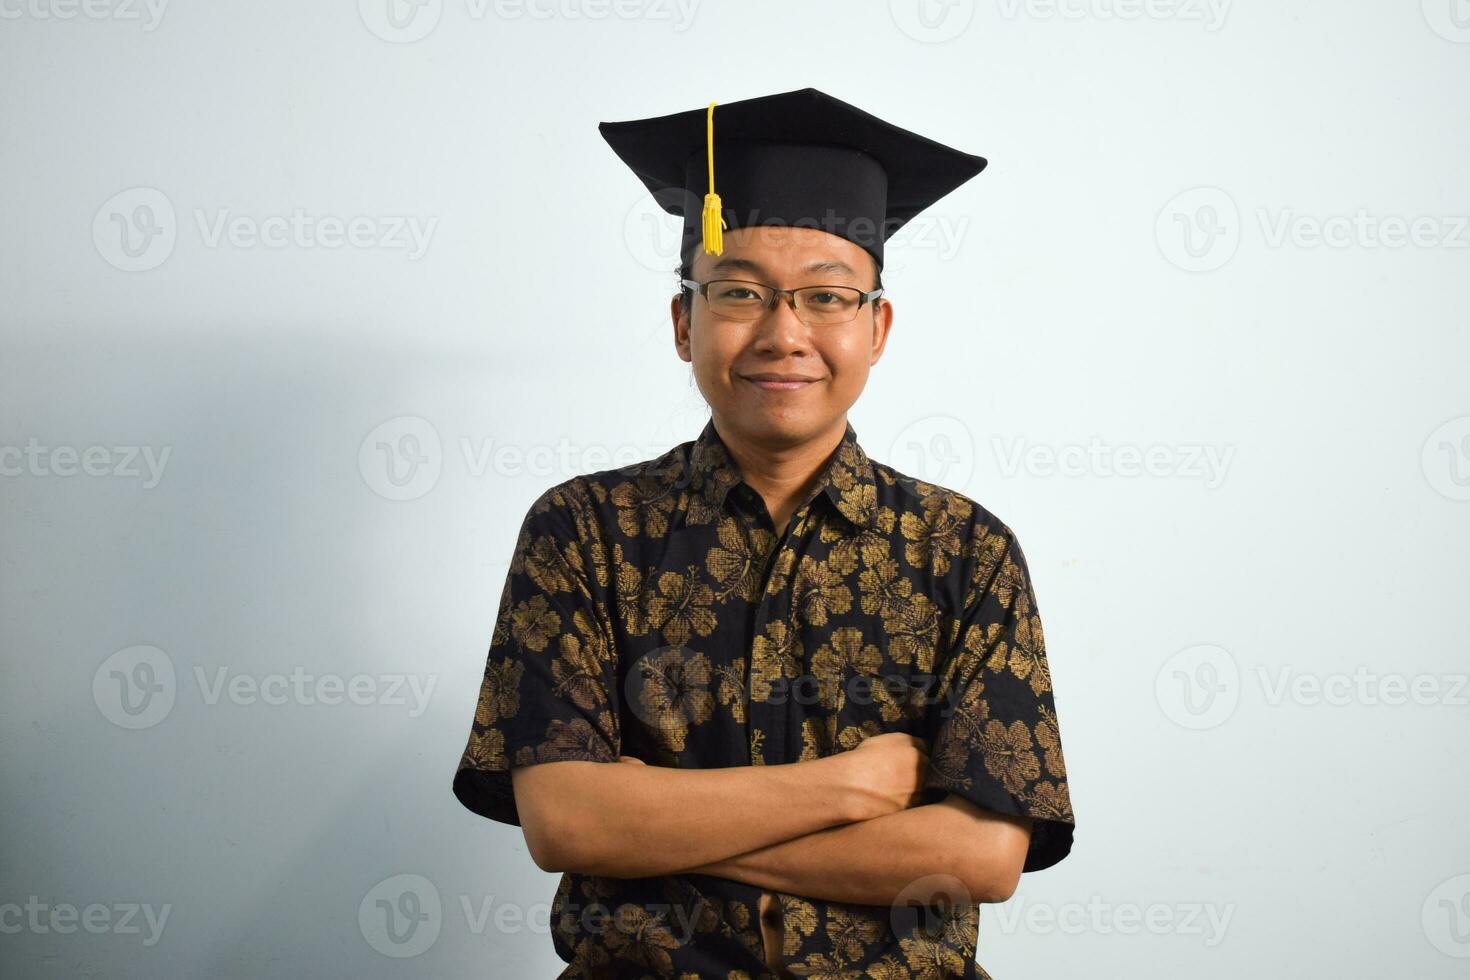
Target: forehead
[[776, 250]]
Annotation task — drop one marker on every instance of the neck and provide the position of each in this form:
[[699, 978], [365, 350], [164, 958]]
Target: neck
[[782, 473]]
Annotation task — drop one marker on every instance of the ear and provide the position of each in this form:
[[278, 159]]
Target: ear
[[882, 323], [680, 317]]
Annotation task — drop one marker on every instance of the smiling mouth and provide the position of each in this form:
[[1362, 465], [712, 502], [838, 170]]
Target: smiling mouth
[[772, 385]]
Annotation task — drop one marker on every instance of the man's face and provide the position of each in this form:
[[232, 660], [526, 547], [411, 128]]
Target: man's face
[[729, 354]]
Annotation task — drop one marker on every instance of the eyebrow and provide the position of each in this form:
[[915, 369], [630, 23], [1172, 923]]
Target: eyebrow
[[821, 265]]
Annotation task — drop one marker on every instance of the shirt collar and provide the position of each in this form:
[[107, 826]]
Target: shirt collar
[[847, 479]]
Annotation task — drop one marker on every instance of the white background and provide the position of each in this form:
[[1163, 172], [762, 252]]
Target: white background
[[1229, 242]]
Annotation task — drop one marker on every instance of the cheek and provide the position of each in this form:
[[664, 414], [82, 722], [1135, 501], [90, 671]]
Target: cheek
[[711, 356], [714, 352], [849, 357]]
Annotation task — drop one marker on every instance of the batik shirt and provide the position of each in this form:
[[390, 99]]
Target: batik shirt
[[653, 611]]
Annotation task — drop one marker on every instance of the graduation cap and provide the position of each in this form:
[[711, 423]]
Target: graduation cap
[[800, 158]]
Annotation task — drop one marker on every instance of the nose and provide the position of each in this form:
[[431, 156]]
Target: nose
[[780, 326]]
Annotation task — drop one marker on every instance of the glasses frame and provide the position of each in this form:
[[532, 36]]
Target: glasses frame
[[702, 288]]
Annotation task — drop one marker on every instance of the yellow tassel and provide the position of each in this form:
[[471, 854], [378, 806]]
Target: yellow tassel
[[714, 218]]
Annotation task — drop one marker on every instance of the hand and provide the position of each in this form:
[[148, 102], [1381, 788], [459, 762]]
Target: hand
[[886, 773]]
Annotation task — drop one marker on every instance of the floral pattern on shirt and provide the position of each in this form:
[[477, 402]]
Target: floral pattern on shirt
[[652, 610]]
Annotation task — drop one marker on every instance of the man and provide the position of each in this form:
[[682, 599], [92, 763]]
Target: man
[[773, 708]]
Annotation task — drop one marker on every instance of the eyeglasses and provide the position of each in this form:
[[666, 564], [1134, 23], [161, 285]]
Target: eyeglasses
[[741, 299]]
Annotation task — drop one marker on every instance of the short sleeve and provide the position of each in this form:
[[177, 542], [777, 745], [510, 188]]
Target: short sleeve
[[993, 732], [550, 688]]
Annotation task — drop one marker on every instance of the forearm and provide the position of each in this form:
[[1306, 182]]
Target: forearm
[[634, 821], [873, 862]]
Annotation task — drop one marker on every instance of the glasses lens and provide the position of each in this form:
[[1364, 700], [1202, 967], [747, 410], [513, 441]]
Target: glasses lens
[[828, 304], [737, 300]]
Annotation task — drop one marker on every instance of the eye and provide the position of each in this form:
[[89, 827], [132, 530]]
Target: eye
[[735, 293]]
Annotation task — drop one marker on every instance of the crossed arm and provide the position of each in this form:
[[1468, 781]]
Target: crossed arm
[[844, 828]]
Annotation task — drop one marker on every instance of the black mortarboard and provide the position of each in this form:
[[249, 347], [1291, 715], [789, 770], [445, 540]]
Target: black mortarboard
[[797, 158]]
